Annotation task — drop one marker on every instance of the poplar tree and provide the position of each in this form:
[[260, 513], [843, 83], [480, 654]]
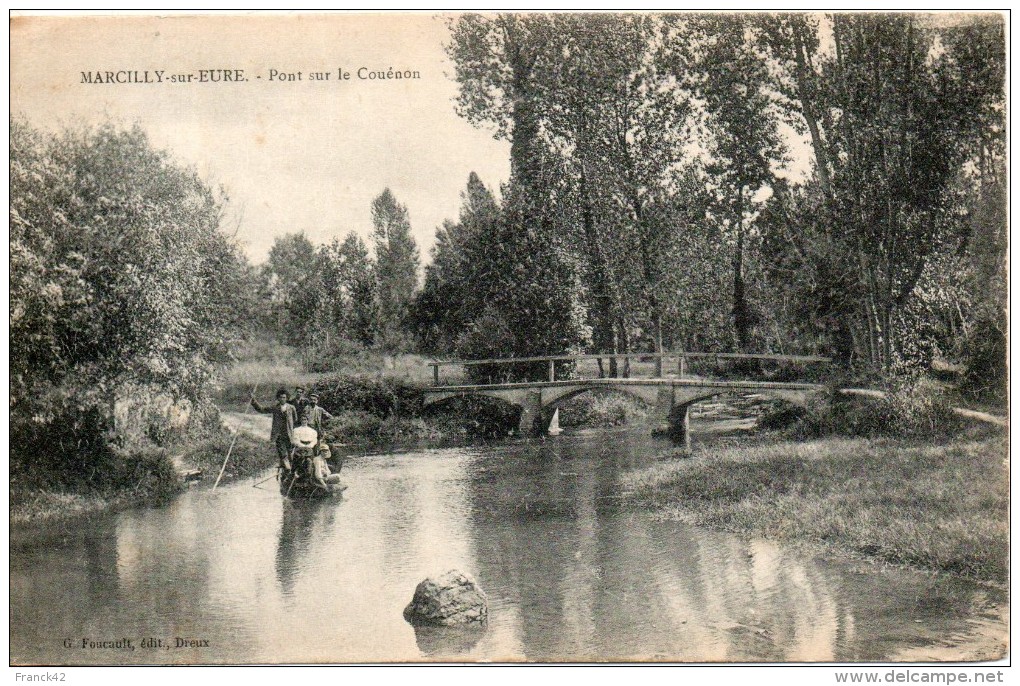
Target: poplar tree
[[397, 262]]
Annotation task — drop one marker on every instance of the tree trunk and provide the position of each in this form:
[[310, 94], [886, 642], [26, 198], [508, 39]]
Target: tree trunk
[[741, 310], [602, 321], [624, 346], [808, 109], [648, 273]]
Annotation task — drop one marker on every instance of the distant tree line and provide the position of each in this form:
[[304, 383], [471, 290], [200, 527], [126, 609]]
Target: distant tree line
[[340, 295]]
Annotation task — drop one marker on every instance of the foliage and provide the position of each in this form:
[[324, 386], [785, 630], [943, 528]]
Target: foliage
[[601, 410], [392, 411], [339, 292], [744, 142], [908, 409], [294, 285], [987, 375], [380, 397], [531, 282], [248, 456], [120, 280], [453, 293], [397, 261], [349, 290], [118, 270]]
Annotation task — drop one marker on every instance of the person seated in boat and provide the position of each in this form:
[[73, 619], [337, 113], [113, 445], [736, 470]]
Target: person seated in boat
[[310, 455], [305, 441], [322, 476]]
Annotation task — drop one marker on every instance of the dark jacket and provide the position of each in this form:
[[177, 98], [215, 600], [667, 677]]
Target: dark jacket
[[284, 419]]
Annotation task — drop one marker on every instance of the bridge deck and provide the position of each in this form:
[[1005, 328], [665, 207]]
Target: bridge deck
[[615, 382]]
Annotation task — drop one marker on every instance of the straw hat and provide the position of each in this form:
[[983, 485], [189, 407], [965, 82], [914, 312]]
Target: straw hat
[[305, 437]]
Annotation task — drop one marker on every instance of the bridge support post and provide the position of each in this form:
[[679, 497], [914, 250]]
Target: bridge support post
[[674, 420], [531, 412], [680, 426], [664, 401]]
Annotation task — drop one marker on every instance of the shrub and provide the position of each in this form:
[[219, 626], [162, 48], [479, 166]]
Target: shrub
[[380, 397], [987, 375], [248, 455], [908, 409], [146, 472]]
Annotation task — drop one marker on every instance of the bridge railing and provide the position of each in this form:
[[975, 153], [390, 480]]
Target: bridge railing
[[627, 363]]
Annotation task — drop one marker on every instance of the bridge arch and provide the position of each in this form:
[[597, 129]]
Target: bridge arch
[[552, 397], [794, 397], [439, 399]]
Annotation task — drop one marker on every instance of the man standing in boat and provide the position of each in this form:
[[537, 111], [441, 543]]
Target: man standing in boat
[[284, 419], [315, 414], [300, 403]]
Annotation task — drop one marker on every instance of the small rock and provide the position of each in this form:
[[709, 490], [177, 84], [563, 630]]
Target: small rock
[[450, 599]]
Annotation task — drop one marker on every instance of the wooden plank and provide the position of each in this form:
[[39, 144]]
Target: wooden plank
[[717, 356]]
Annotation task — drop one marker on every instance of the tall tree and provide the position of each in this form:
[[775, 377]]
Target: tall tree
[[397, 261], [898, 150], [295, 285], [892, 104], [744, 142], [453, 294], [532, 287], [347, 292]]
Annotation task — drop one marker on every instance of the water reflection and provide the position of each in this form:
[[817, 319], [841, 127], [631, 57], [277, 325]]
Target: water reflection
[[301, 520], [448, 641], [569, 574]]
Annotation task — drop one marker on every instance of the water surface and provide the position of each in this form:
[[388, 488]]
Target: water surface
[[570, 574]]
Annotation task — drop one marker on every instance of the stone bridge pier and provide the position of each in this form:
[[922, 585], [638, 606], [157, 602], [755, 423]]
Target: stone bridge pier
[[673, 419], [671, 399], [531, 414]]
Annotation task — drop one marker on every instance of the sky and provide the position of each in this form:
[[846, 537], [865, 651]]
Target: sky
[[300, 155]]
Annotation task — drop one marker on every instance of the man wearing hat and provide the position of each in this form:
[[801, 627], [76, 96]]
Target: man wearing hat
[[315, 414], [284, 419]]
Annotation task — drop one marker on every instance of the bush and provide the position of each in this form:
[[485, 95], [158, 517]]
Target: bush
[[475, 417], [379, 397], [337, 356], [146, 472], [909, 409], [987, 376], [248, 456]]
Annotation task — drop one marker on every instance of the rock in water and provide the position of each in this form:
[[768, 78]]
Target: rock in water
[[451, 599]]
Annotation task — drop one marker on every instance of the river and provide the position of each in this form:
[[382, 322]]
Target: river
[[243, 576]]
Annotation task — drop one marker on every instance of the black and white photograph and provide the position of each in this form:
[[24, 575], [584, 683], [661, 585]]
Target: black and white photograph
[[376, 338]]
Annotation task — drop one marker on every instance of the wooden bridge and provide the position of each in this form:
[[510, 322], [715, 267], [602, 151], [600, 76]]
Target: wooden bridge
[[670, 394]]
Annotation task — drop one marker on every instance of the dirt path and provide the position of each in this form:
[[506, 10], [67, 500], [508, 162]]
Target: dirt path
[[253, 424]]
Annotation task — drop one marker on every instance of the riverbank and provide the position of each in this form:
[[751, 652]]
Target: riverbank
[[156, 476], [940, 506]]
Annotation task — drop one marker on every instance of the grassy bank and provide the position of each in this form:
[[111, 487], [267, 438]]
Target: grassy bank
[[938, 506], [142, 476], [120, 477]]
